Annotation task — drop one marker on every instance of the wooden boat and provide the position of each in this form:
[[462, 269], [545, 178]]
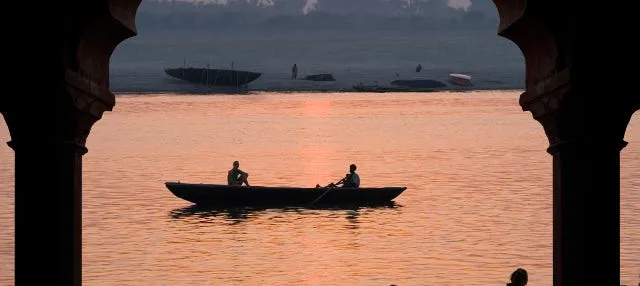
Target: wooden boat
[[223, 195], [213, 77]]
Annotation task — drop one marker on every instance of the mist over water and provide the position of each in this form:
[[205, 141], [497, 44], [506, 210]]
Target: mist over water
[[352, 57], [357, 41]]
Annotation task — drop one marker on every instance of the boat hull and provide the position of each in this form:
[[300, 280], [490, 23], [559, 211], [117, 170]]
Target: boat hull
[[213, 77], [225, 196], [460, 80]]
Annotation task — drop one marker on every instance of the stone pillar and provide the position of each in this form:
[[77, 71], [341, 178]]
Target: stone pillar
[[64, 91], [48, 198], [569, 91], [586, 185]]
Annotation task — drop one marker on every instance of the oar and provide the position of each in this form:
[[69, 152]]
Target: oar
[[319, 197], [329, 188]]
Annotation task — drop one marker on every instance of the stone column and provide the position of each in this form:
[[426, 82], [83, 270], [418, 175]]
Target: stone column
[[48, 199], [585, 140], [568, 90], [64, 91]]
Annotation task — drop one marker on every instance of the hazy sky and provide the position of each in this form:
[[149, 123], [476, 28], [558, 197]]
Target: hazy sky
[[311, 4]]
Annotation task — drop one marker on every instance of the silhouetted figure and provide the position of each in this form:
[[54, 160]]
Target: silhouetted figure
[[419, 68], [519, 278], [237, 177], [294, 71], [351, 180]]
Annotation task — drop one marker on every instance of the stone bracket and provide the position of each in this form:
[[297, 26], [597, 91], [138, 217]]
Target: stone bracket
[[546, 95]]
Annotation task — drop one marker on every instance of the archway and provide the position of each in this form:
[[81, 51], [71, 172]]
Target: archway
[[548, 82]]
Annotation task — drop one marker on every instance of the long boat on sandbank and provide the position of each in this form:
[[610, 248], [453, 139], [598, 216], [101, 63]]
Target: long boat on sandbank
[[213, 77]]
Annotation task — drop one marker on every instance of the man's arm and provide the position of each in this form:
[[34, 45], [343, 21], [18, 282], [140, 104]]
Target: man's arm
[[344, 180]]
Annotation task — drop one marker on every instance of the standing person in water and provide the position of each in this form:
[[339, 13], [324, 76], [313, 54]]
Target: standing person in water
[[294, 71], [237, 177]]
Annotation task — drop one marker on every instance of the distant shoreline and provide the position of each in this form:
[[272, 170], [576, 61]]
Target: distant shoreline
[[288, 91]]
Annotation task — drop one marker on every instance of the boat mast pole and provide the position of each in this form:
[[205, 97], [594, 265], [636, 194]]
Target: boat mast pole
[[184, 65]]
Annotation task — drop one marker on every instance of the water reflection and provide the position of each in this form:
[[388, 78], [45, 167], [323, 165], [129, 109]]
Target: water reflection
[[352, 216], [236, 215], [205, 214]]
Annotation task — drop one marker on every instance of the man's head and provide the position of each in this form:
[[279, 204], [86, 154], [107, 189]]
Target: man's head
[[352, 168], [519, 277], [236, 164]]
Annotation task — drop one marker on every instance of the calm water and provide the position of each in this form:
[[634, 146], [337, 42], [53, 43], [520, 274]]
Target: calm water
[[478, 202]]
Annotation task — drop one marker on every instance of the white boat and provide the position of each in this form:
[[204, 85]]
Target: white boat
[[460, 79]]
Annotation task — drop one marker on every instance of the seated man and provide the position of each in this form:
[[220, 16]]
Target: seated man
[[352, 180], [237, 177]]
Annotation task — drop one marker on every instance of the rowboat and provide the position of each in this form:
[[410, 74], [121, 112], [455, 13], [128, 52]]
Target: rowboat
[[224, 195]]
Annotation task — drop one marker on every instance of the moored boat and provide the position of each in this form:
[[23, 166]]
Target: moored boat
[[460, 79], [213, 77], [224, 195]]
